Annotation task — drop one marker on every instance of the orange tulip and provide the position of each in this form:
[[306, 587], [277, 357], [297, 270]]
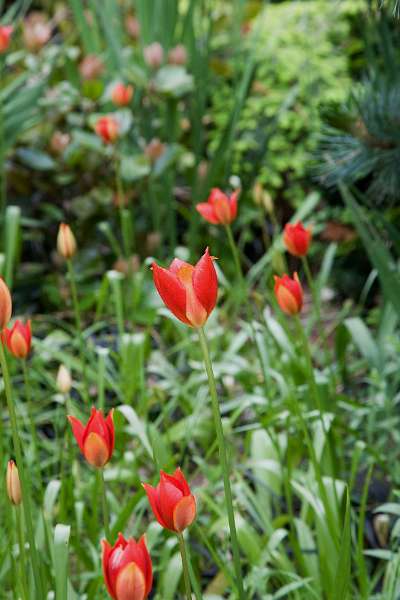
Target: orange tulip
[[289, 294], [122, 94], [172, 502], [5, 37], [297, 238], [190, 292], [18, 339], [66, 243], [220, 209], [13, 483], [107, 128], [5, 304], [96, 438]]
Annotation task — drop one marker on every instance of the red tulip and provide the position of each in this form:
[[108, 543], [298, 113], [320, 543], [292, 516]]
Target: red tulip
[[220, 209], [5, 304], [5, 37], [297, 238], [289, 294], [96, 438], [122, 94], [189, 292], [18, 339], [127, 569], [172, 502], [107, 128]]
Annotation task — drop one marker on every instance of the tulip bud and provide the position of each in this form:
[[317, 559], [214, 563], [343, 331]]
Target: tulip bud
[[91, 67], [132, 26], [172, 502], [64, 380], [36, 31], [59, 142], [122, 94], [5, 37], [154, 149], [66, 243], [13, 483], [5, 304], [127, 569], [289, 294], [107, 128], [220, 209], [177, 55], [96, 438], [18, 339], [154, 55], [297, 239]]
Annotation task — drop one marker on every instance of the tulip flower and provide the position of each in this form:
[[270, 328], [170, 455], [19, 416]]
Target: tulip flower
[[190, 292], [154, 55], [172, 502], [13, 483], [122, 94], [177, 55], [127, 569], [96, 438], [5, 304], [66, 243], [289, 294], [5, 37], [107, 128], [18, 339], [297, 239], [220, 209], [64, 380]]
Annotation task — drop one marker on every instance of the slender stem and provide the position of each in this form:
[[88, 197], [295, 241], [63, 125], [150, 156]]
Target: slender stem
[[28, 395], [185, 566], [25, 484], [321, 330], [22, 553], [236, 257], [223, 462], [78, 324], [3, 183], [106, 515]]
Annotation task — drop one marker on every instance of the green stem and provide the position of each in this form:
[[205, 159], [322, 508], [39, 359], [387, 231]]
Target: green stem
[[223, 462], [106, 515], [185, 567], [78, 325], [3, 189], [28, 395], [25, 484], [235, 254], [22, 553]]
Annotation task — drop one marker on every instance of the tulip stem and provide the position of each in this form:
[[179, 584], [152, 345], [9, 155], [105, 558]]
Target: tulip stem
[[78, 324], [25, 484], [22, 553], [185, 566], [223, 461], [236, 259], [106, 515], [28, 395]]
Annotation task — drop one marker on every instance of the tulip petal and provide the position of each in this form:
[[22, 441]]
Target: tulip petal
[[172, 292], [205, 283], [207, 212], [130, 583], [184, 513], [111, 430], [152, 495], [233, 204], [78, 430], [107, 550], [95, 450], [169, 496]]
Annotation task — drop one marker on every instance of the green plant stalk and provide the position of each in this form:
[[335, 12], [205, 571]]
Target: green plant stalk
[[78, 325], [126, 242], [311, 378], [223, 462], [106, 514], [25, 484], [236, 258], [317, 305], [28, 395], [185, 566], [22, 553]]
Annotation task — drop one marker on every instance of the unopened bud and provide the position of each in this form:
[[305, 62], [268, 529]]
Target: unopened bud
[[13, 483], [64, 380], [66, 243], [5, 304]]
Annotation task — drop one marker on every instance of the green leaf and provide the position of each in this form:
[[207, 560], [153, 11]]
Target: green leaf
[[135, 167], [61, 542], [343, 569], [364, 341], [36, 159]]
